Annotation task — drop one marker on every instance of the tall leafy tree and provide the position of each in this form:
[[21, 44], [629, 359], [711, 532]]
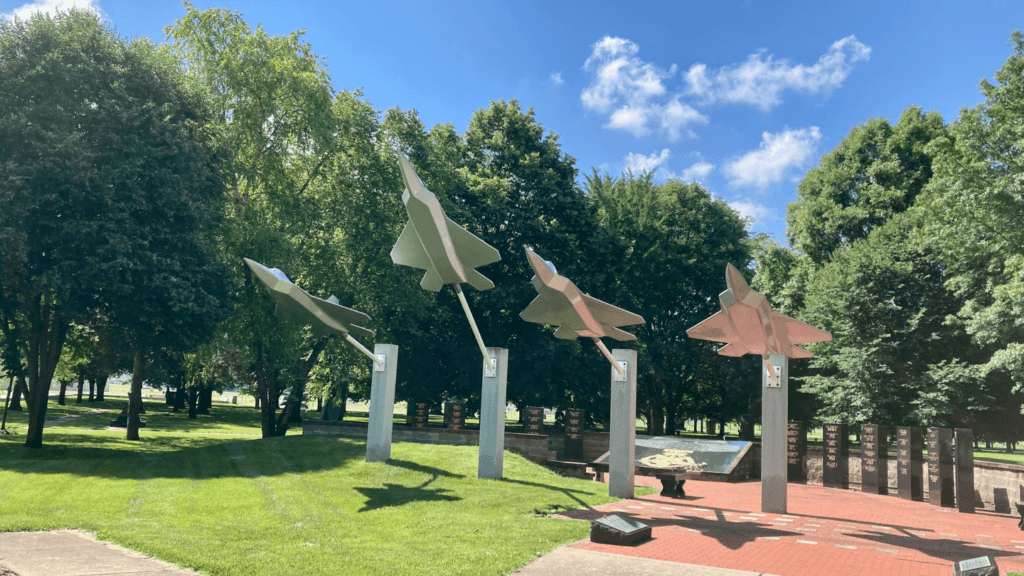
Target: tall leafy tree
[[673, 242], [104, 168]]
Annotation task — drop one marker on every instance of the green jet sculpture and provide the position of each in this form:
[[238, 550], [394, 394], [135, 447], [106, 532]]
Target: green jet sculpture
[[324, 317], [433, 242]]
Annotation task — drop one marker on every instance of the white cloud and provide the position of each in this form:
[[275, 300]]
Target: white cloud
[[698, 172], [755, 211], [50, 6], [760, 80], [632, 93], [556, 77], [774, 159], [639, 163]]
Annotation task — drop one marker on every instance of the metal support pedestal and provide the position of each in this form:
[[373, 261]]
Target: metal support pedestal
[[622, 439], [774, 418], [492, 416], [382, 403]]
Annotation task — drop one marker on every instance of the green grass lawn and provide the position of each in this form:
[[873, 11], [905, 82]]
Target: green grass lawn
[[190, 494]]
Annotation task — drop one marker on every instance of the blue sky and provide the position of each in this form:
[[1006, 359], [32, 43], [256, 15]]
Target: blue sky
[[743, 96]]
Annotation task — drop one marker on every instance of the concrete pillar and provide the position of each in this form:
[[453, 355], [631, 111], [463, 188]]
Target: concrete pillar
[[382, 403], [622, 437], [492, 417], [774, 419]]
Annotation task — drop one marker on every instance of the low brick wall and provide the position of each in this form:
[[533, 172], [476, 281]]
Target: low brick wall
[[996, 486], [533, 447]]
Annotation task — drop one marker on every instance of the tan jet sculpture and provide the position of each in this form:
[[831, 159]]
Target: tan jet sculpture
[[324, 317], [560, 303], [748, 325], [433, 242]]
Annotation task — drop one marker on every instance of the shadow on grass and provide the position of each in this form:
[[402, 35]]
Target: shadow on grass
[[567, 491], [398, 495], [193, 457]]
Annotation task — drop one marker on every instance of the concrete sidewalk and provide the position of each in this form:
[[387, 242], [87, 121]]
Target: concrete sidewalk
[[75, 553], [567, 561]]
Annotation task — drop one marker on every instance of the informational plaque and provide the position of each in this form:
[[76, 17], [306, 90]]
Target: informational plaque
[[574, 434], [940, 467], [835, 471], [965, 470], [874, 459], [455, 415], [421, 417], [534, 420], [910, 451], [796, 449]]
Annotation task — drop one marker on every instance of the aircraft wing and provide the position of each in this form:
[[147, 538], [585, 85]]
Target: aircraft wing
[[610, 315], [547, 310], [717, 328], [408, 251], [796, 332], [472, 251], [347, 317]]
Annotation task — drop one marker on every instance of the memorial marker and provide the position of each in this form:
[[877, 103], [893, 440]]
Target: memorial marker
[[835, 472], [573, 450], [618, 530], [533, 420], [964, 470], [940, 467], [910, 448], [874, 459], [796, 449], [454, 415]]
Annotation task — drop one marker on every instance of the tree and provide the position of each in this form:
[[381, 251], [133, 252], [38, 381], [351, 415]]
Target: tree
[[277, 129], [975, 206], [100, 142], [673, 243]]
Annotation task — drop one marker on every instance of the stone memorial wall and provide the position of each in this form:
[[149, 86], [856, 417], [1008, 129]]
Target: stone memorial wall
[[421, 417], [454, 416]]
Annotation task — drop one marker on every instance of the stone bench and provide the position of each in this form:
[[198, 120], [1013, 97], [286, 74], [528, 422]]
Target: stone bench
[[672, 483]]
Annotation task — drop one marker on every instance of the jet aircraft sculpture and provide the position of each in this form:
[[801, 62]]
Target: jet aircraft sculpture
[[559, 302], [748, 325], [324, 317], [433, 242]]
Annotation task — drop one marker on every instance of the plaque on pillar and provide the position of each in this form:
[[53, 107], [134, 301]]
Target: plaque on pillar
[[940, 467], [574, 435], [874, 459], [796, 449], [835, 472], [534, 420], [910, 448], [455, 415], [965, 470], [421, 417]]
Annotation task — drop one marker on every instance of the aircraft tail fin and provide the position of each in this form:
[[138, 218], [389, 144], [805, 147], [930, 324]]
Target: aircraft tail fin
[[798, 352], [566, 333], [620, 335], [477, 280], [431, 281]]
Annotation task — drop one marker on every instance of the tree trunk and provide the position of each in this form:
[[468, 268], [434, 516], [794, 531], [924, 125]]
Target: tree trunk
[[92, 388], [81, 386], [179, 398], [299, 389], [712, 424], [656, 425], [16, 398], [63, 391], [135, 396], [193, 400], [205, 400], [46, 338], [670, 419], [101, 385], [319, 403]]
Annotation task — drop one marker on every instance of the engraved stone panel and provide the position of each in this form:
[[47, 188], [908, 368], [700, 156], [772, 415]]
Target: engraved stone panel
[[909, 456], [835, 469], [940, 467]]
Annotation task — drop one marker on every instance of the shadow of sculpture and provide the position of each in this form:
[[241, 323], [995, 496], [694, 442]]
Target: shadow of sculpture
[[391, 495]]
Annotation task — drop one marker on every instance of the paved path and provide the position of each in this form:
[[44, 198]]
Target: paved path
[[827, 531], [75, 553]]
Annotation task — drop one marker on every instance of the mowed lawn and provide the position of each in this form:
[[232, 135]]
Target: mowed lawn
[[230, 505]]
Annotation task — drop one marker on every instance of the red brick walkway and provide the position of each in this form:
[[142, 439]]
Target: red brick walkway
[[827, 531]]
